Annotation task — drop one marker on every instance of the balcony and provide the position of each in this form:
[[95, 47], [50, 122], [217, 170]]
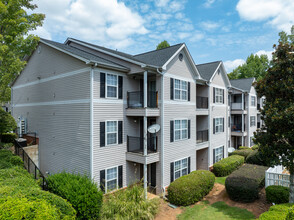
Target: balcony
[[236, 106], [201, 136], [202, 102], [237, 130]]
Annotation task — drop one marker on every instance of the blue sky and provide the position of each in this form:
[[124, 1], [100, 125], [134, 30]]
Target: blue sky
[[227, 30]]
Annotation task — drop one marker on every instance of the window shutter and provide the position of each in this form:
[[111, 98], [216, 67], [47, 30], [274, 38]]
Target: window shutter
[[189, 129], [214, 125], [102, 134], [213, 95], [223, 151], [120, 132], [223, 124], [213, 156], [102, 85], [171, 131], [102, 180], [189, 165], [120, 87], [223, 96], [188, 91], [171, 172], [171, 88], [120, 176]]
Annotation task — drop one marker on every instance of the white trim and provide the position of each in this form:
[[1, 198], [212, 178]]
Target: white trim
[[181, 90], [162, 132], [116, 143], [173, 56], [221, 146], [91, 122], [210, 80], [218, 125], [187, 158], [181, 119], [106, 86], [110, 101], [217, 86], [72, 73], [219, 96], [179, 77], [78, 101], [112, 179], [177, 102]]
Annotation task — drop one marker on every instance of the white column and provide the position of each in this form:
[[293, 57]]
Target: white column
[[145, 155], [145, 89], [243, 101]]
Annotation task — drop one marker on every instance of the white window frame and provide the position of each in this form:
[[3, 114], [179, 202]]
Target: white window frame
[[181, 129], [181, 167], [251, 141], [181, 90], [218, 93], [218, 156], [106, 86], [251, 124], [107, 180], [253, 98], [106, 133], [219, 119]]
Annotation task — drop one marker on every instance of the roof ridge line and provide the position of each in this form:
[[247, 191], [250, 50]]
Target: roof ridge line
[[208, 62], [157, 50]]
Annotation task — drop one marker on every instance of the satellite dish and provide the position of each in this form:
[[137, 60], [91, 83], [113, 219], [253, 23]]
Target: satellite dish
[[153, 128], [231, 149]]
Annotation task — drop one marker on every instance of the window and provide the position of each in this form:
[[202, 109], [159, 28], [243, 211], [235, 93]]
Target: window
[[252, 121], [111, 132], [252, 100], [219, 126], [181, 129], [111, 179], [219, 98], [111, 85], [181, 90], [219, 154], [251, 141], [181, 168]]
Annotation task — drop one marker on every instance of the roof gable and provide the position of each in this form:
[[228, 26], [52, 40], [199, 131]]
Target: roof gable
[[207, 70], [243, 84]]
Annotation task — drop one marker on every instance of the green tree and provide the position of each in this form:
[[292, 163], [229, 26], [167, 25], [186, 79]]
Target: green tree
[[15, 42], [162, 44], [255, 66], [276, 138], [7, 123]]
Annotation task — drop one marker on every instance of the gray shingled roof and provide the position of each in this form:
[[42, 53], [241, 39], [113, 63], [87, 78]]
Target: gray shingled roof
[[206, 70], [158, 57], [82, 54], [243, 84]]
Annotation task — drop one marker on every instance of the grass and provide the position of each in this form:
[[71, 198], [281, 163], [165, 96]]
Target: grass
[[218, 210], [221, 180]]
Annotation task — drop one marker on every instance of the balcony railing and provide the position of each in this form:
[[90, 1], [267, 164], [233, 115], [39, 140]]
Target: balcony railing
[[136, 99], [202, 102], [237, 127], [202, 136], [136, 144], [236, 106]]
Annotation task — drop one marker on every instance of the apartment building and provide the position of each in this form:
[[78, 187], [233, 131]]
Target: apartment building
[[91, 108]]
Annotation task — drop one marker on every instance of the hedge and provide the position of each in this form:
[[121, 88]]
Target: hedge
[[255, 147], [245, 183], [190, 188], [8, 137], [80, 191], [227, 165], [277, 194], [244, 148], [276, 212], [256, 157], [243, 153], [290, 214], [8, 160]]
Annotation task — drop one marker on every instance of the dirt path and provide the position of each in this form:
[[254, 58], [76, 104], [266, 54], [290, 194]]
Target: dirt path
[[218, 193]]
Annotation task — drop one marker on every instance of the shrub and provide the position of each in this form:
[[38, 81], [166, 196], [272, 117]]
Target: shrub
[[290, 214], [244, 148], [255, 147], [8, 137], [243, 153], [129, 204], [5, 146], [277, 194], [276, 212], [227, 165], [190, 188], [8, 160], [245, 183], [255, 157], [80, 191]]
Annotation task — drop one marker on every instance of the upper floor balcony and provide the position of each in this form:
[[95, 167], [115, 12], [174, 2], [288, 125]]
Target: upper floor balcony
[[202, 136], [202, 101], [238, 104]]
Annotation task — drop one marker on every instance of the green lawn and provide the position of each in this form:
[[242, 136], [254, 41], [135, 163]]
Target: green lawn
[[218, 210], [221, 180]]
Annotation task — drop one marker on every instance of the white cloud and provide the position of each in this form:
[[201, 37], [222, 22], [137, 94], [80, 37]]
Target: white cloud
[[278, 13], [208, 3], [263, 52], [209, 25], [161, 3], [232, 64], [42, 32]]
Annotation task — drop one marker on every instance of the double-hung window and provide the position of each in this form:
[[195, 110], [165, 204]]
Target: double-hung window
[[111, 86], [180, 90], [252, 100], [181, 129], [219, 98], [219, 154], [219, 126], [111, 179], [252, 121], [181, 168], [111, 132]]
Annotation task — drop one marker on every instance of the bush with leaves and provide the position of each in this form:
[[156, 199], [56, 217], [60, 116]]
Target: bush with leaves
[[8, 137], [244, 148], [243, 153], [256, 157], [277, 194], [8, 160], [7, 123], [276, 212], [227, 165], [80, 191]]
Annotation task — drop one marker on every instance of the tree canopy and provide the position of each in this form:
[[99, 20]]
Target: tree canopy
[[7, 122], [162, 44], [15, 42], [255, 66]]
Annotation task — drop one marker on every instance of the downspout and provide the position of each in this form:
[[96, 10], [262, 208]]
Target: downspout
[[91, 120], [248, 120], [209, 123], [227, 124]]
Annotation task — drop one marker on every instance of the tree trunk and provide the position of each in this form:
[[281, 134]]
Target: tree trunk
[[291, 195]]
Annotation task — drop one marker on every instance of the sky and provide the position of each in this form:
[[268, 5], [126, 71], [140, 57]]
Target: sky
[[227, 30]]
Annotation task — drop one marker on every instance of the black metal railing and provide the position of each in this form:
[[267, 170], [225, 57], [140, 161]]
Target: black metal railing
[[201, 102], [202, 136], [29, 164], [237, 127], [136, 99], [136, 144]]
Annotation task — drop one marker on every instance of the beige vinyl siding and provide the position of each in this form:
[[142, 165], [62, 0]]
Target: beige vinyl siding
[[252, 111]]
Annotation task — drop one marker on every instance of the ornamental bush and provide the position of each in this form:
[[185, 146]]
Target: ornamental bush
[[227, 165], [244, 148], [190, 188], [80, 191], [243, 153], [256, 157], [245, 183], [8, 159], [276, 212], [255, 147], [277, 194], [290, 214], [8, 137]]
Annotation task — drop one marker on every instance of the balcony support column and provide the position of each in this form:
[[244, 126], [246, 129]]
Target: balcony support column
[[243, 107], [145, 89], [145, 155]]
